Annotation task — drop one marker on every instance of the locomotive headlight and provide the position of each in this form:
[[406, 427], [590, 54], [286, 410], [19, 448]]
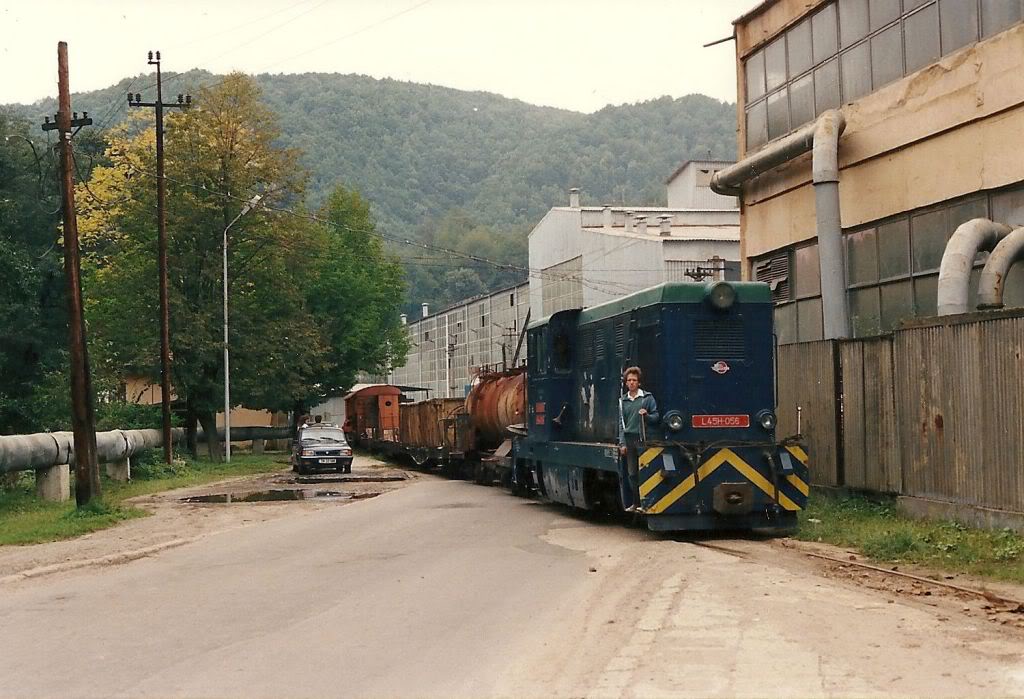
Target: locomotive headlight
[[767, 420], [674, 421], [721, 295]]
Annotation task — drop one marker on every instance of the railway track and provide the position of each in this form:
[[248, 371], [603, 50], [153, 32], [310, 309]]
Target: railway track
[[1013, 604]]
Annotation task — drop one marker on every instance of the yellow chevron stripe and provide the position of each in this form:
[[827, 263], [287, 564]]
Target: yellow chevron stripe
[[672, 495], [687, 485], [708, 467], [799, 453], [763, 483], [753, 476], [786, 503], [799, 484], [650, 455], [650, 484]]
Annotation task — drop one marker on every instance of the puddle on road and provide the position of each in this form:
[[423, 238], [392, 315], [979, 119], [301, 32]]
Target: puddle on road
[[344, 479], [276, 496]]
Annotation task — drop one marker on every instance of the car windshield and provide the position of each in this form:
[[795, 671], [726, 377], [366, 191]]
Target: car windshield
[[321, 434]]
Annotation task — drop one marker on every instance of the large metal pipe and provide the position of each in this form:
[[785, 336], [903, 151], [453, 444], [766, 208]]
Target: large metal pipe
[[993, 278], [821, 137], [958, 260], [25, 452]]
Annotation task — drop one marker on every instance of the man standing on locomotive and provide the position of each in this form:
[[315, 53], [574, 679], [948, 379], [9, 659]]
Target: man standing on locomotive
[[637, 409]]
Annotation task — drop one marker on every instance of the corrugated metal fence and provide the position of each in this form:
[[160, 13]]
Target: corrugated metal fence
[[934, 410]]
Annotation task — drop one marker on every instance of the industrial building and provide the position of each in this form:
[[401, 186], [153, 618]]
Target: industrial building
[[925, 103], [582, 256], [448, 348]]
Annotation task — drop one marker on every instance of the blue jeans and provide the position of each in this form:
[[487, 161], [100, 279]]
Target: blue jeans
[[629, 481]]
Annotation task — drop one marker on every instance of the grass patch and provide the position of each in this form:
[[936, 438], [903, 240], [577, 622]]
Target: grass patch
[[24, 519], [880, 532]]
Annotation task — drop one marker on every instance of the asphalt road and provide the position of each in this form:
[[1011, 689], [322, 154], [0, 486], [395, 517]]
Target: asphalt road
[[448, 589]]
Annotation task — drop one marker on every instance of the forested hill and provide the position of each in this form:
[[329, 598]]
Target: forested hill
[[419, 151], [471, 171]]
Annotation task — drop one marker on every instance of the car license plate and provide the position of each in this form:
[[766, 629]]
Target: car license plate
[[326, 461]]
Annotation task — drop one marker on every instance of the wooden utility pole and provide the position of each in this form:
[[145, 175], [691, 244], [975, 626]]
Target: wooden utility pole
[[83, 421], [161, 223]]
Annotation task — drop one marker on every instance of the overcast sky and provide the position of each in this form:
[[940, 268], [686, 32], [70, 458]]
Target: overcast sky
[[576, 54]]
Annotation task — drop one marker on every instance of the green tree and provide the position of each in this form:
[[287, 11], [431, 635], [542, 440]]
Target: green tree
[[32, 310], [310, 303], [217, 154], [355, 293]]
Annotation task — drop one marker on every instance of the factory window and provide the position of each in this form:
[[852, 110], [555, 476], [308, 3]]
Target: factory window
[[891, 268], [997, 15], [921, 38], [483, 320], [959, 24], [849, 48]]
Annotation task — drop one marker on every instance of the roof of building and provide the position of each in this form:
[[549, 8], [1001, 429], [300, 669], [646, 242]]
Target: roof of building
[[754, 11], [675, 173], [678, 233]]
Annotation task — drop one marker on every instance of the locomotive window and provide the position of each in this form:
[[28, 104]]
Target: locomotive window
[[541, 351], [561, 358]]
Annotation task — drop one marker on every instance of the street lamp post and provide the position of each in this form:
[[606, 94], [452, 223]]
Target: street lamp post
[[249, 205]]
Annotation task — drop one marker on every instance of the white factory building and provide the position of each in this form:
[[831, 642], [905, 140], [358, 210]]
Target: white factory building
[[579, 256], [582, 256]]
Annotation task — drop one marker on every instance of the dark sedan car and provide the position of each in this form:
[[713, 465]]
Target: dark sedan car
[[321, 447]]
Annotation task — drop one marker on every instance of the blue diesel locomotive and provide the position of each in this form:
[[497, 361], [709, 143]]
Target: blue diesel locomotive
[[707, 354]]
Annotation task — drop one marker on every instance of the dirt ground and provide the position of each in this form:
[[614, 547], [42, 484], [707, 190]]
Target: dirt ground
[[174, 522]]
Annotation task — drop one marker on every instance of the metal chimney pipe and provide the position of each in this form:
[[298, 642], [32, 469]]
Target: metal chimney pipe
[[993, 278], [629, 221], [821, 137], [665, 225], [958, 261], [404, 318], [574, 198], [641, 225], [426, 310], [606, 214]]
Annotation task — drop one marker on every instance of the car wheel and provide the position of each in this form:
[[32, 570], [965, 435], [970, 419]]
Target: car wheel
[[348, 469], [303, 470]]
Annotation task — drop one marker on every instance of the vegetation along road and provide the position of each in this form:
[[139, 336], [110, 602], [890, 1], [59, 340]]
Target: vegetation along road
[[443, 588]]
